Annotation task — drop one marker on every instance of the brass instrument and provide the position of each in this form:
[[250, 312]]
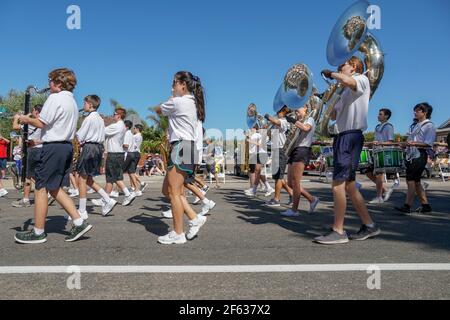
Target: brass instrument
[[294, 92], [350, 35]]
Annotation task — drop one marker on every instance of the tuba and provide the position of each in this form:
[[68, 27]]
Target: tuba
[[294, 92], [350, 35]]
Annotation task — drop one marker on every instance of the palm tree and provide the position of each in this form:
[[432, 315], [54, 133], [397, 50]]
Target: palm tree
[[161, 125]]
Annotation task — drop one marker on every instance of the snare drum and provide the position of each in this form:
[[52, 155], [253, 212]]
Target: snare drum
[[389, 159], [365, 160]]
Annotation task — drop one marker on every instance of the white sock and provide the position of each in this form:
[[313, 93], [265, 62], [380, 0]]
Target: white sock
[[38, 232], [78, 222], [267, 185], [370, 225], [26, 200], [82, 206], [205, 201], [104, 195], [126, 192]]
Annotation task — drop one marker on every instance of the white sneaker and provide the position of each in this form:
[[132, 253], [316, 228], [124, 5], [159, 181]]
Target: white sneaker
[[377, 200], [108, 206], [195, 226], [396, 184], [388, 194], [425, 185], [269, 192], [167, 214], [128, 200], [313, 205], [290, 213], [138, 193], [98, 202], [3, 192], [172, 238], [250, 193], [144, 186], [207, 207], [90, 191], [83, 215], [114, 194]]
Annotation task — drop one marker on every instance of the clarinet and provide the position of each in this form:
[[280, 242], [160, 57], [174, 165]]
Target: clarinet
[[25, 129]]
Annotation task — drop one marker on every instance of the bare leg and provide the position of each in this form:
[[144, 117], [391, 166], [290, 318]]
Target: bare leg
[[340, 205], [358, 203], [421, 194]]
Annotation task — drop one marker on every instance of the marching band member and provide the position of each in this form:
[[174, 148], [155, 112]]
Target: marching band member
[[58, 120], [114, 135], [184, 108], [299, 158], [91, 137], [137, 153], [280, 183], [34, 152], [384, 133], [131, 158], [351, 120], [420, 142], [258, 158]]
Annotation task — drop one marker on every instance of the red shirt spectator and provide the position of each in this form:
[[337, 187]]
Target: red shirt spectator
[[3, 148]]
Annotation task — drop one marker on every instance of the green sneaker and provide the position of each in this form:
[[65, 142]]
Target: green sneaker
[[29, 237], [77, 232]]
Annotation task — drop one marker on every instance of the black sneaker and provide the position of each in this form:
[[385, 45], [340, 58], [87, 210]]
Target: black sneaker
[[423, 209], [77, 232], [405, 209], [29, 237], [365, 233], [332, 238]]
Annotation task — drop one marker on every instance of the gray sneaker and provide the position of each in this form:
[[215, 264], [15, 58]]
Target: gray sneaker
[[77, 232], [21, 204], [365, 233], [332, 238], [29, 237], [273, 203], [144, 186]]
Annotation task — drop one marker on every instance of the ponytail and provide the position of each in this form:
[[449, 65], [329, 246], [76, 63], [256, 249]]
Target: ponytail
[[194, 85]]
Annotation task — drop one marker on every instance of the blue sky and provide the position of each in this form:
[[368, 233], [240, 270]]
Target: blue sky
[[129, 51]]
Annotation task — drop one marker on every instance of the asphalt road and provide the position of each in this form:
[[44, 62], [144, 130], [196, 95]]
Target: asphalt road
[[240, 231]]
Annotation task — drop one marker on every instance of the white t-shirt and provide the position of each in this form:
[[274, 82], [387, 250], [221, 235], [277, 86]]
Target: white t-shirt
[[199, 142], [115, 134], [33, 134], [306, 139], [92, 129], [182, 114], [384, 132], [353, 107], [137, 142], [128, 141], [254, 149], [424, 132], [284, 127], [60, 116]]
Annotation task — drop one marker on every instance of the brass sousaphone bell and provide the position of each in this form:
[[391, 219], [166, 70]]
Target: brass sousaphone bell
[[349, 36]]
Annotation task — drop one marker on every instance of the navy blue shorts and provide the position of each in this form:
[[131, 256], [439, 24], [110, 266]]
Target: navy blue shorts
[[90, 159], [53, 167], [114, 167], [347, 147], [34, 154], [3, 163]]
